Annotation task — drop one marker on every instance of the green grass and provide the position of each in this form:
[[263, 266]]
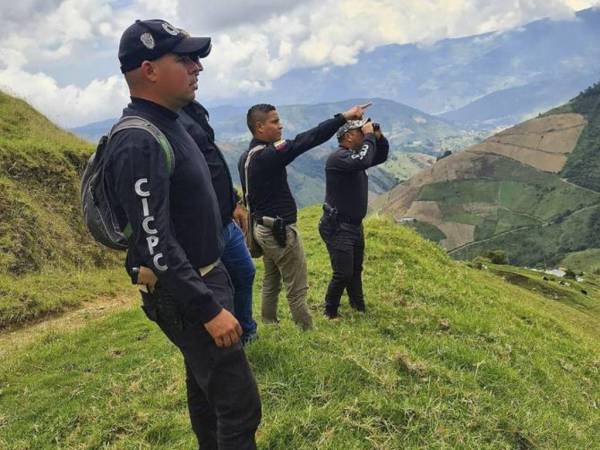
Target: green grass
[[40, 218], [540, 211], [583, 164], [584, 261], [35, 296], [542, 245], [446, 357], [48, 262]]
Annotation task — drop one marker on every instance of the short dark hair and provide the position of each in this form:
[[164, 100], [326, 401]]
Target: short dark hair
[[256, 114]]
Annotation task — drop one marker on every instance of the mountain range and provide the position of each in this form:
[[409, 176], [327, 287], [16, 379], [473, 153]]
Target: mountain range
[[485, 81], [532, 190], [416, 138]]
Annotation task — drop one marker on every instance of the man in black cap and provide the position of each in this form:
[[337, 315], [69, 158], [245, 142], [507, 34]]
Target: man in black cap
[[273, 206], [362, 145], [236, 257], [168, 202]]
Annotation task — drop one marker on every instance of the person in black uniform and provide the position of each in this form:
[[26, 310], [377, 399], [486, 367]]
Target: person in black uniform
[[236, 257], [362, 145], [177, 233], [273, 206]]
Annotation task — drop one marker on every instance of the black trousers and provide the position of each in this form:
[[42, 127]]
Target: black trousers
[[346, 246], [223, 399]]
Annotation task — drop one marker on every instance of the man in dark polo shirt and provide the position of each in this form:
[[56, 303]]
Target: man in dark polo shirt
[[236, 256], [169, 203], [273, 206], [362, 145]]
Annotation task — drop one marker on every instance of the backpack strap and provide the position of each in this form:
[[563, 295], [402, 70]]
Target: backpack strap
[[140, 123], [251, 153]]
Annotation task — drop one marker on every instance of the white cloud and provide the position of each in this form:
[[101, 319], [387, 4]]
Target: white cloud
[[67, 105], [232, 13], [254, 41]]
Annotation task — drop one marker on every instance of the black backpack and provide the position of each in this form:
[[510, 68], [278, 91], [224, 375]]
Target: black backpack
[[98, 213]]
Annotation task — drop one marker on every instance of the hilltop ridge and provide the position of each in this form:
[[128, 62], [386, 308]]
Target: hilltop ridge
[[40, 166]]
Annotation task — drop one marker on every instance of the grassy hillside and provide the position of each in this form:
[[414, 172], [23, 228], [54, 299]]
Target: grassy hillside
[[40, 228], [583, 165], [447, 357], [534, 216], [532, 190], [584, 261], [568, 224]]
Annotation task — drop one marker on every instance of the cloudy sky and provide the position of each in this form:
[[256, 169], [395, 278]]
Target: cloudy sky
[[60, 55]]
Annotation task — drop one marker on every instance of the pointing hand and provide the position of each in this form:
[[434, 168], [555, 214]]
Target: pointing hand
[[356, 112]]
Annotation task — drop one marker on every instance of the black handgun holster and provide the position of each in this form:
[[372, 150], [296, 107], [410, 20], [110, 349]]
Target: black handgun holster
[[161, 308], [279, 232]]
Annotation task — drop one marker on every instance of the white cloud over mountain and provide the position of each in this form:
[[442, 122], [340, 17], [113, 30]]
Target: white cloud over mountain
[[60, 55]]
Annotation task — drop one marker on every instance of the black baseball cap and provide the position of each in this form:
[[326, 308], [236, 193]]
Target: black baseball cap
[[147, 40]]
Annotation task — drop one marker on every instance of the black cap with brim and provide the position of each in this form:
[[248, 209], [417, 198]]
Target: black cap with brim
[[147, 40], [199, 46]]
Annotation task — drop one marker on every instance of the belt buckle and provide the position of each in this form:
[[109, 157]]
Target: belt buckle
[[207, 269], [268, 221]]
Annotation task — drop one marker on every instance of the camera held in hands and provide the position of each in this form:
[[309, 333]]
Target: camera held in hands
[[376, 126]]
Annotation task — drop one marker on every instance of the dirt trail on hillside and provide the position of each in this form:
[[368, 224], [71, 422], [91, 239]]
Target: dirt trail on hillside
[[515, 230], [12, 339]]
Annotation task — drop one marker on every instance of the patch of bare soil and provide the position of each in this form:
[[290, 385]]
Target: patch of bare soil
[[398, 201], [19, 337], [426, 212], [543, 143], [458, 234]]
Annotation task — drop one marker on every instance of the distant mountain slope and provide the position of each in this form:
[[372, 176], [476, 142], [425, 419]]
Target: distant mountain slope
[[507, 192], [583, 165], [514, 104], [508, 74], [414, 136]]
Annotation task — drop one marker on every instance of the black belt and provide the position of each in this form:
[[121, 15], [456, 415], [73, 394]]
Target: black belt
[[345, 219], [259, 220], [334, 214]]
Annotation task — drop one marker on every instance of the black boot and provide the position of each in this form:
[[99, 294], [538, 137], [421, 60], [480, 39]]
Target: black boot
[[331, 312], [358, 306]]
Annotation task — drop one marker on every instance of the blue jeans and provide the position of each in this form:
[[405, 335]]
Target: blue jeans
[[241, 269]]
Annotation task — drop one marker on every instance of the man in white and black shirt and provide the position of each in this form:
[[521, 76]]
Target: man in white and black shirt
[[362, 145]]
